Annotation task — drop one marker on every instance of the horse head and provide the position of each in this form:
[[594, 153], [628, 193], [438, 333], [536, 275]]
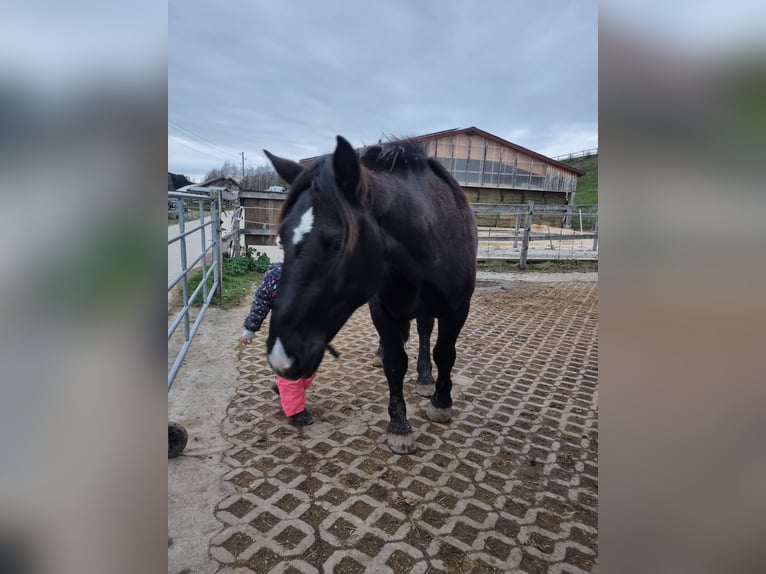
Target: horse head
[[332, 258]]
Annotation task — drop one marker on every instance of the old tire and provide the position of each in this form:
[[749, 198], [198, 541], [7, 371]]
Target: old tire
[[177, 437]]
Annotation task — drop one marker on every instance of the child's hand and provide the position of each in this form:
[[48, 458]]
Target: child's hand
[[246, 337]]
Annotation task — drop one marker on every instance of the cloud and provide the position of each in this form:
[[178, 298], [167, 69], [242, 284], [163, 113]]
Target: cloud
[[289, 76]]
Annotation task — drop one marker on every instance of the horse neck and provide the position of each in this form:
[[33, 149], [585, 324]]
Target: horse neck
[[397, 228]]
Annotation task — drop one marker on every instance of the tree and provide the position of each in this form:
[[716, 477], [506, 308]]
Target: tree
[[256, 178], [228, 169], [261, 178]]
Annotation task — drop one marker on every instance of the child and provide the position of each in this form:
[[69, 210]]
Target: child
[[292, 394]]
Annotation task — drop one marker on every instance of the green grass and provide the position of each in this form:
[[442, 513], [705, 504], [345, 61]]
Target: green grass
[[239, 276], [587, 185]]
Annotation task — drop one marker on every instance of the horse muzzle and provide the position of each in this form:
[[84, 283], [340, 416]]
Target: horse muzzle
[[279, 359], [290, 366]]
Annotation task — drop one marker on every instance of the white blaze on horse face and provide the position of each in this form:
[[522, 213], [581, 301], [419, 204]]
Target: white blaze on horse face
[[278, 359], [304, 226]]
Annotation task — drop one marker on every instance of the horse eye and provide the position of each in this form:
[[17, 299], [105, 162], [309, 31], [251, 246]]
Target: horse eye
[[332, 244]]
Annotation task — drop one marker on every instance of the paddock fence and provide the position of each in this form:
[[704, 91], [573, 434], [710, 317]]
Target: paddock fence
[[528, 231], [575, 155], [206, 255], [534, 231]]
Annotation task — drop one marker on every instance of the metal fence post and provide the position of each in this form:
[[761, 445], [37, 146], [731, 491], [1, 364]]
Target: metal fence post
[[236, 225], [215, 214], [202, 237], [595, 232], [525, 239], [185, 280]]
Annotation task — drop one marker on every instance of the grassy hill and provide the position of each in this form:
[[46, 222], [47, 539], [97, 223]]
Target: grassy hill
[[587, 185]]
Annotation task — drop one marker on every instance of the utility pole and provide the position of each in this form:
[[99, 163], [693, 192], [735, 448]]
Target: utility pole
[[243, 166]]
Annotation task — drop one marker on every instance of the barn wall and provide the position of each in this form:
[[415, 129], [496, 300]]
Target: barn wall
[[475, 161], [490, 172]]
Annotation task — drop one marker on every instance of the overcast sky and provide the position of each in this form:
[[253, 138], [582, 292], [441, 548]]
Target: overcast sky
[[289, 75]]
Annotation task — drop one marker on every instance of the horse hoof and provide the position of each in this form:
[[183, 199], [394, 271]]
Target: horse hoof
[[401, 443], [438, 415], [377, 361], [424, 390]]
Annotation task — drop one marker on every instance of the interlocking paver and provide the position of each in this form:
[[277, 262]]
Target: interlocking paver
[[511, 484]]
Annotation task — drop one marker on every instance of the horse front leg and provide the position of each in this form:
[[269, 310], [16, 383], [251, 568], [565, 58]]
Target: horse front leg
[[440, 407], [425, 383], [400, 439]]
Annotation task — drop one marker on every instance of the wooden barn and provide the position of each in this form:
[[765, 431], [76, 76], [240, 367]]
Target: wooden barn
[[490, 170], [493, 170]]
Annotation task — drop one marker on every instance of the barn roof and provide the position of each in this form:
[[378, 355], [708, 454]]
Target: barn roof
[[479, 132], [224, 181]]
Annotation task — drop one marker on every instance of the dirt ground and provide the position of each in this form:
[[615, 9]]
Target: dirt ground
[[510, 485]]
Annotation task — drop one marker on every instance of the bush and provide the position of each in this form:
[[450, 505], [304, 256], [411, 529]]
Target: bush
[[239, 275], [250, 262]]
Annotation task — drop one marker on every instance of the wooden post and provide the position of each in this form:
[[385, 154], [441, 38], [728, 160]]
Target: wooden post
[[516, 230], [525, 239], [489, 240], [568, 217]]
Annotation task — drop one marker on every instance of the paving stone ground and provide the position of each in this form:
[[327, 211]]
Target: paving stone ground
[[510, 485]]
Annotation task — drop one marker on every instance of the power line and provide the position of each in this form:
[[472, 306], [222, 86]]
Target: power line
[[214, 152], [205, 153], [201, 139]]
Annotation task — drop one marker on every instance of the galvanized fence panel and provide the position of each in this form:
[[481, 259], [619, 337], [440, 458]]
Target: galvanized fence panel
[[556, 232], [208, 229], [536, 231]]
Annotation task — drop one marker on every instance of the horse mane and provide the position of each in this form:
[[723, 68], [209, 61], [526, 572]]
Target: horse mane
[[393, 155]]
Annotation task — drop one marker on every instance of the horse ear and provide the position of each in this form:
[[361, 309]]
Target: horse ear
[[287, 169], [345, 165]]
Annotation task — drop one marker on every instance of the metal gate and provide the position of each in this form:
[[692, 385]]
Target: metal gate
[[198, 246]]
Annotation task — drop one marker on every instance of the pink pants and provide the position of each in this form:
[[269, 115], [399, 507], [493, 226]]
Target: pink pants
[[292, 394]]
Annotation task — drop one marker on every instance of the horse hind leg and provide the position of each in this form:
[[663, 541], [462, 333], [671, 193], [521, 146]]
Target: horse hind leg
[[400, 438], [377, 359], [425, 383], [440, 406]]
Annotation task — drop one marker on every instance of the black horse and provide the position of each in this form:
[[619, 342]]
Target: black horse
[[389, 227]]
